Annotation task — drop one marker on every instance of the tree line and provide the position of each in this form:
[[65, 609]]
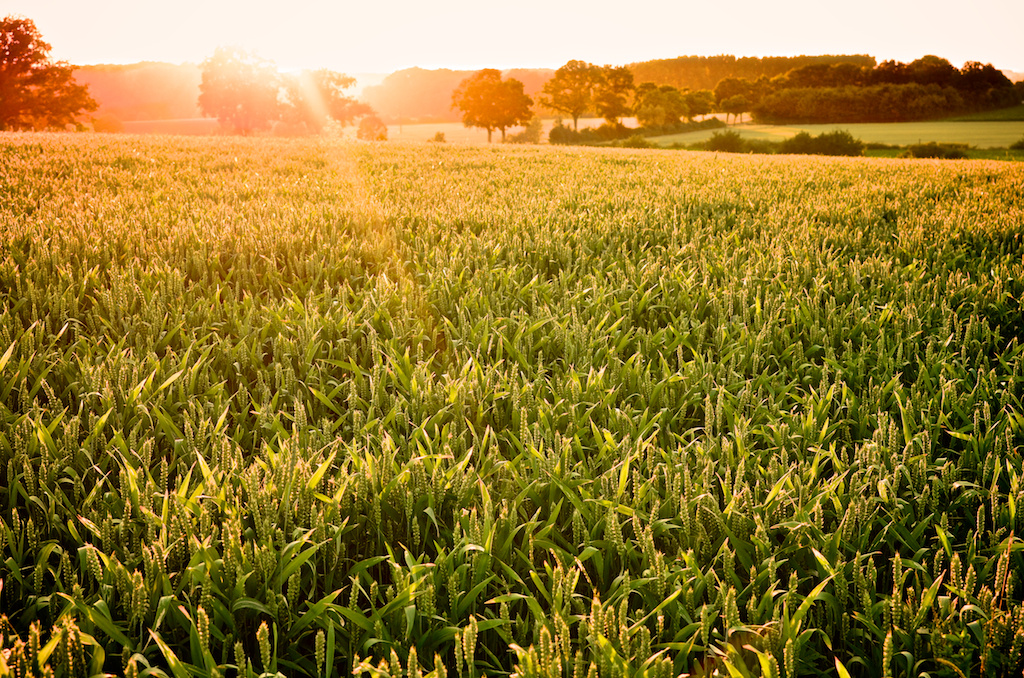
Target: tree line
[[929, 87], [488, 101], [705, 72], [892, 91]]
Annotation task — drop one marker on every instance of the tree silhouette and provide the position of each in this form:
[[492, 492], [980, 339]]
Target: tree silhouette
[[611, 91], [35, 92], [489, 102], [699, 102], [571, 89], [240, 90], [312, 98]]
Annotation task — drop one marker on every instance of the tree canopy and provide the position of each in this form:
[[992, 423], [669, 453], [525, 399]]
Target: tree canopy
[[611, 90], [313, 98], [35, 92], [239, 89], [659, 106], [489, 102], [248, 94], [571, 89]]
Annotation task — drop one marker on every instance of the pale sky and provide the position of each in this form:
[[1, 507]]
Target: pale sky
[[384, 36]]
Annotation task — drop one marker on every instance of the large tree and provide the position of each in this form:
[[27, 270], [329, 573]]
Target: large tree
[[571, 89], [659, 106], [35, 92], [313, 98], [487, 101], [611, 93], [240, 90], [699, 102]]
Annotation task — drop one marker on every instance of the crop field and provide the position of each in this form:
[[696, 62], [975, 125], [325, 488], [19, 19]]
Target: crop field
[[305, 407], [982, 134]]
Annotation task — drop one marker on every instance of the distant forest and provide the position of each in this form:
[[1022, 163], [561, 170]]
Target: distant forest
[[929, 87], [697, 72]]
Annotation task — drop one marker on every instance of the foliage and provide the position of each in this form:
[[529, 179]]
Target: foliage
[[927, 88], [839, 142], [936, 150], [425, 95], [704, 72], [35, 91], [240, 90], [571, 90], [531, 135], [438, 138], [1017, 145], [659, 106], [726, 142], [611, 92], [372, 128], [313, 98], [699, 102], [487, 101], [311, 407], [735, 105], [563, 135], [634, 141]]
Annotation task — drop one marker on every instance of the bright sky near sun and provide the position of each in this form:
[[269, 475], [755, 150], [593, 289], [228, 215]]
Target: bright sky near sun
[[384, 36]]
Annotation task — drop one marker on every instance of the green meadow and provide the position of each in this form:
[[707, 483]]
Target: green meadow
[[319, 408], [979, 134]]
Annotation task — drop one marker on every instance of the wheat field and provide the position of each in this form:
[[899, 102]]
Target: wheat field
[[307, 407]]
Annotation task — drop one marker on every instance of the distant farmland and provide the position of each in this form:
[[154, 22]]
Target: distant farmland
[[987, 134]]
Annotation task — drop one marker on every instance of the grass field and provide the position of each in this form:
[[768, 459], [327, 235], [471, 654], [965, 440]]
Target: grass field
[[978, 134], [304, 407], [1003, 114]]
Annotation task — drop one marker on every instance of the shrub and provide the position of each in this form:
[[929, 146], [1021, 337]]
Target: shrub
[[726, 142], [936, 150], [635, 141], [372, 128], [531, 133], [561, 134], [438, 138], [827, 143], [1017, 145]]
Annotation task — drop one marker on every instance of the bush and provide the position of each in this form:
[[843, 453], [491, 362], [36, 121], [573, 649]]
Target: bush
[[635, 141], [839, 142], [438, 138], [531, 133], [1017, 145], [561, 134], [372, 128], [936, 150], [828, 143], [725, 142]]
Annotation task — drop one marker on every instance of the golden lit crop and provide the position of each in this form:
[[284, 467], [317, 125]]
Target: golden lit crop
[[312, 408]]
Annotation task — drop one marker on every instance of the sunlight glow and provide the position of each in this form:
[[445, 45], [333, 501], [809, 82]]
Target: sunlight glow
[[458, 34]]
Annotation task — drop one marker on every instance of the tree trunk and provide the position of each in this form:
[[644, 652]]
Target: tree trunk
[[575, 123], [502, 135], [489, 135]]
